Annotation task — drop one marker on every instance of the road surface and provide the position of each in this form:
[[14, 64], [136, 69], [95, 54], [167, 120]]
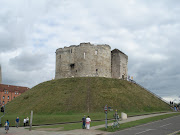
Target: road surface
[[168, 126]]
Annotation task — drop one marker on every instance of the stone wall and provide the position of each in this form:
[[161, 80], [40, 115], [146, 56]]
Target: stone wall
[[115, 62], [119, 62], [123, 66], [90, 60], [83, 60]]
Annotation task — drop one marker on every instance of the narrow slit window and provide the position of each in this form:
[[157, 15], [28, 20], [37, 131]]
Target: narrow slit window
[[84, 55], [96, 71]]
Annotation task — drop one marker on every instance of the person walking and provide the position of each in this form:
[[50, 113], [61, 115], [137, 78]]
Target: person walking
[[88, 120], [84, 122], [6, 126], [27, 121], [24, 122], [17, 121]]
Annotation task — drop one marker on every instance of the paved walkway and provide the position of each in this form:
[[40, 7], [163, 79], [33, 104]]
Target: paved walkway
[[92, 131]]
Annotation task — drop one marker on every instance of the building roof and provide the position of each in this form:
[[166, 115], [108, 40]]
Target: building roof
[[118, 51], [13, 88]]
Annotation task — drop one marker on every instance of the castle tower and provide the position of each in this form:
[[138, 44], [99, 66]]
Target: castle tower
[[0, 75], [119, 62], [89, 60], [84, 60]]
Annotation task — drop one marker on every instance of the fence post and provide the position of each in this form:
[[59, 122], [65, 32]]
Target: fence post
[[31, 120]]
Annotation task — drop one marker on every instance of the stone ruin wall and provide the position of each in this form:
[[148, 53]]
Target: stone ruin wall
[[88, 60], [83, 60], [119, 62], [123, 66]]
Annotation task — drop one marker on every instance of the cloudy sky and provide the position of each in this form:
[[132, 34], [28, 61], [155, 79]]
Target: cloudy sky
[[147, 31]]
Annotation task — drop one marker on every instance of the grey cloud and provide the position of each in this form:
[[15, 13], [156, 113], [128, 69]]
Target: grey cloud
[[13, 76], [6, 42], [17, 20], [147, 31], [29, 61], [133, 15], [161, 78]]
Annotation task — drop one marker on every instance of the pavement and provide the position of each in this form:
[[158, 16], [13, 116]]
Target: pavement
[[91, 131]]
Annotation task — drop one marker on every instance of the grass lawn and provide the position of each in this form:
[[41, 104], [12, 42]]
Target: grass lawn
[[69, 95], [139, 122], [66, 127], [40, 119]]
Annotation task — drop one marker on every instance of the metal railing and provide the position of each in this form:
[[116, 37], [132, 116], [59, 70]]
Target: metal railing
[[149, 91]]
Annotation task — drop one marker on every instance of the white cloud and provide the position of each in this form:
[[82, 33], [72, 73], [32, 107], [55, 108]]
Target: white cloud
[[147, 31], [174, 99]]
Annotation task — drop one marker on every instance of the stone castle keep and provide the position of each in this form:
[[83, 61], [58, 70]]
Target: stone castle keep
[[88, 60]]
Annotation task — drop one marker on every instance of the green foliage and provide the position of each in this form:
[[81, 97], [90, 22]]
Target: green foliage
[[78, 95], [40, 119]]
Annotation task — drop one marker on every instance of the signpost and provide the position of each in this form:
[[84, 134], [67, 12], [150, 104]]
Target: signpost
[[116, 115], [106, 111]]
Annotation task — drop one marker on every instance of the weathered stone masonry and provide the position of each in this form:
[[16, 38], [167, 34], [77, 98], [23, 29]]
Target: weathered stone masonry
[[119, 61], [90, 60]]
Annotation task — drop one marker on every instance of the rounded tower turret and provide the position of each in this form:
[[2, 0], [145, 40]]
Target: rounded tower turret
[[83, 60]]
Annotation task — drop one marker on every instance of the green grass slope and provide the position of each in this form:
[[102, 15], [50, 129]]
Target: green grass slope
[[86, 94]]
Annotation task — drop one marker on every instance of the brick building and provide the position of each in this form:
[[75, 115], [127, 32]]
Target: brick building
[[9, 92]]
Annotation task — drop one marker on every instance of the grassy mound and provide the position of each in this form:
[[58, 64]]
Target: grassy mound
[[86, 94]]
